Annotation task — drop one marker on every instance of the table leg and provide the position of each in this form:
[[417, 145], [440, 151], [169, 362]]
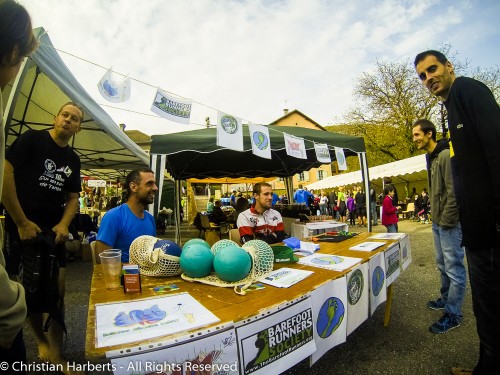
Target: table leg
[[388, 304]]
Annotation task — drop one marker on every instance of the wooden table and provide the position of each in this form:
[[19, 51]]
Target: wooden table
[[224, 302]]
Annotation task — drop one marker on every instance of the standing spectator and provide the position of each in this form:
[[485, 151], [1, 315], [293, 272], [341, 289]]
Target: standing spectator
[[302, 196], [360, 199], [351, 207], [424, 208], [373, 206], [474, 123], [332, 199], [41, 189], [323, 203], [445, 227], [341, 204], [389, 211], [16, 42]]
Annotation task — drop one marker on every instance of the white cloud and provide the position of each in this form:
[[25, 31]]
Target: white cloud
[[249, 57]]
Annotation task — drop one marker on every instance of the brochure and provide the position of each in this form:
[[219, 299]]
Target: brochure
[[285, 277], [331, 262], [367, 246]]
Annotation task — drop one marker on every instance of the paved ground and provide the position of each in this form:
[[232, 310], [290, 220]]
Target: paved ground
[[405, 347]]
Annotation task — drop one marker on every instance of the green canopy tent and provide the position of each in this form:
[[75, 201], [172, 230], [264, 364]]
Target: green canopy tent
[[195, 154]]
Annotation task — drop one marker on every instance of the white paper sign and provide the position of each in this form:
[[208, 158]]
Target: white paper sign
[[295, 146], [229, 132], [392, 263], [405, 248], [322, 153], [276, 341], [216, 352], [261, 144], [171, 108], [123, 322], [378, 287], [358, 297], [114, 91], [330, 316], [367, 246], [341, 162]]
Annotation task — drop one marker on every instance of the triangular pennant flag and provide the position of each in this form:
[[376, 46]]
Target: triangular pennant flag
[[341, 162], [174, 109], [322, 153], [259, 136], [229, 132], [295, 146], [116, 92]]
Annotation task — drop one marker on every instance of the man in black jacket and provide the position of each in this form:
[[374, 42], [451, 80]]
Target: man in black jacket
[[474, 123]]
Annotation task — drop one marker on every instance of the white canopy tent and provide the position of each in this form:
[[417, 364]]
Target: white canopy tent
[[42, 86], [411, 169]]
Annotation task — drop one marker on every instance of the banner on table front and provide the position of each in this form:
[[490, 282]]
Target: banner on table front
[[329, 315], [378, 291], [274, 342], [405, 248], [113, 91], [322, 153], [207, 353], [174, 109], [295, 146], [259, 136], [341, 162], [229, 132], [358, 297]]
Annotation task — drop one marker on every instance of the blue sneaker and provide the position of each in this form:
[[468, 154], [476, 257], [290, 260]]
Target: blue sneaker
[[436, 305], [446, 323]]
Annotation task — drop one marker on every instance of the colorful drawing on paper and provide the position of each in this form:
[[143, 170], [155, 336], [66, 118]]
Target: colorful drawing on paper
[[327, 260], [123, 322], [355, 287], [378, 279], [330, 317]]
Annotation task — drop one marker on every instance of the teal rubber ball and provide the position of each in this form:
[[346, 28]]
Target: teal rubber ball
[[196, 241], [196, 260], [232, 263]]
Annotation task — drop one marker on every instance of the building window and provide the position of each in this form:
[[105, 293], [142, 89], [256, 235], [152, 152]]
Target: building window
[[303, 176], [321, 174]]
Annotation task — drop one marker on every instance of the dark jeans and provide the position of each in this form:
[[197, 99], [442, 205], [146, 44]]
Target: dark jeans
[[484, 275], [16, 353]]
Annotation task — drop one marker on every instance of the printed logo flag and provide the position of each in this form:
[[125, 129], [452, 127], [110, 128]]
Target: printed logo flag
[[259, 136], [295, 147], [174, 109], [322, 153], [116, 92], [341, 162], [229, 132]]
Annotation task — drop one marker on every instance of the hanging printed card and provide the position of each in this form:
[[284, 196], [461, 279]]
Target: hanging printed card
[[174, 109], [259, 136], [113, 91], [295, 147], [229, 132], [322, 153], [357, 297], [341, 162], [378, 291]]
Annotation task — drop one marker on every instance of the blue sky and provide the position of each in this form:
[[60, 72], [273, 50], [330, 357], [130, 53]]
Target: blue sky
[[253, 58]]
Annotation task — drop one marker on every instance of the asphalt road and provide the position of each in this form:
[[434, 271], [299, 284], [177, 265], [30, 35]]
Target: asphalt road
[[404, 347]]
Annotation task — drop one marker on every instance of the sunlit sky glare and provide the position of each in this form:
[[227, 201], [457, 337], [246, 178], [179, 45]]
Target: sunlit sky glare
[[252, 59]]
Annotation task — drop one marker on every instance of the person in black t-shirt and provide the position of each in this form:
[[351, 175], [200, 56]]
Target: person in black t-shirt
[[41, 190]]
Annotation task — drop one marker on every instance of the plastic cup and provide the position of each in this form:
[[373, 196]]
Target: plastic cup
[[111, 261]]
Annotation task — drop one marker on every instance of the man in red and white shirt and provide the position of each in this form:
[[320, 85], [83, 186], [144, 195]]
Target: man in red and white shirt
[[260, 221]]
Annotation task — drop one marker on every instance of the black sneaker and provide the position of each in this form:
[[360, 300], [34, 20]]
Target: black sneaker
[[436, 305], [446, 323]]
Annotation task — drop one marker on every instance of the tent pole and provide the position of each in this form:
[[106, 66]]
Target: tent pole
[[366, 180], [289, 188], [14, 94], [177, 210]]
